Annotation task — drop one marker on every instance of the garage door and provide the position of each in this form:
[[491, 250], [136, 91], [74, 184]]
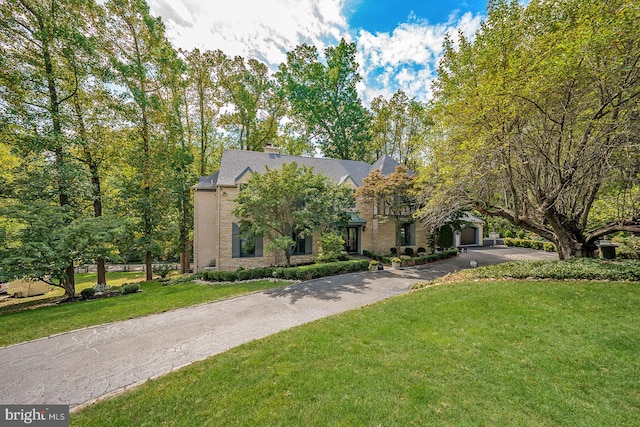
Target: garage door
[[468, 236]]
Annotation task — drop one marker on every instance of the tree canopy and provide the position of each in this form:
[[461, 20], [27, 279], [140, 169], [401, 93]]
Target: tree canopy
[[282, 204], [324, 100], [538, 119]]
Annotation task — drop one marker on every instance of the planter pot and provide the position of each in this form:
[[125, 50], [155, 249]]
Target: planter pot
[[395, 265]]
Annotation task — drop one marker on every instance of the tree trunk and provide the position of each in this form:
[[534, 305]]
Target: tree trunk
[[102, 272], [148, 266], [69, 285]]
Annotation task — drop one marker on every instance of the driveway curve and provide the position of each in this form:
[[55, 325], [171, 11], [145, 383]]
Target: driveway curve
[[79, 367]]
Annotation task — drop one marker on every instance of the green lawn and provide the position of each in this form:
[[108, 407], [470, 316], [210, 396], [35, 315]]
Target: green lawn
[[44, 321], [535, 353]]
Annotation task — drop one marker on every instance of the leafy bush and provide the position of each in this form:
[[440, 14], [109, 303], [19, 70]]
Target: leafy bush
[[162, 270], [421, 250], [130, 288], [628, 247], [572, 269], [87, 293], [408, 251], [393, 251], [305, 272], [185, 278], [332, 245], [532, 244]]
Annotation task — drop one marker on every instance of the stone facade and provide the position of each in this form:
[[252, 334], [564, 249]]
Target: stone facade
[[213, 206]]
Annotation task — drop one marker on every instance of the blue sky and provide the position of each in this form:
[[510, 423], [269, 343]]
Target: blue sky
[[399, 42]]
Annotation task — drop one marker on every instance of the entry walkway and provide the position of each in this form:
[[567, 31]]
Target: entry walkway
[[79, 367]]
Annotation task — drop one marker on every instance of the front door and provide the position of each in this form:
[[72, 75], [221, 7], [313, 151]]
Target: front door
[[351, 240]]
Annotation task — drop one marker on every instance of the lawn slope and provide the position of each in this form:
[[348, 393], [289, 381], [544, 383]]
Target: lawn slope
[[473, 353]]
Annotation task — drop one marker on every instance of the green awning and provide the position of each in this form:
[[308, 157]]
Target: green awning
[[354, 220]]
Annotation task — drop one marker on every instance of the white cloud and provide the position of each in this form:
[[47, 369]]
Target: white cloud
[[262, 29], [407, 57]]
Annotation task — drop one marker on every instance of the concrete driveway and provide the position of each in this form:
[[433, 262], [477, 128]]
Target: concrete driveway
[[80, 367]]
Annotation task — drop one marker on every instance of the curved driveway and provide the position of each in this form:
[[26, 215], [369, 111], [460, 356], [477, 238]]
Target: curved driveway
[[79, 367]]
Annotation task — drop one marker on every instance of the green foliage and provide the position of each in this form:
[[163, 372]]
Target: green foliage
[[572, 269], [394, 194], [628, 246], [87, 293], [131, 288], [162, 270], [49, 240], [331, 245], [538, 142], [528, 243], [290, 201], [306, 272], [324, 99], [400, 127], [419, 260]]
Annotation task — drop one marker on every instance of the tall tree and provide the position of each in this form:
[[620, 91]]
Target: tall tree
[[324, 99], [538, 114], [400, 127], [204, 96], [256, 105], [37, 40], [137, 48]]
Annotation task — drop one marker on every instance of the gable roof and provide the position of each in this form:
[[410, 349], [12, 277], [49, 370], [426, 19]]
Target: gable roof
[[386, 165], [234, 164]]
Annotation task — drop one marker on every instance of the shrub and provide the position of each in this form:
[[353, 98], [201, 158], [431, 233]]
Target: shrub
[[408, 251], [87, 293], [305, 272], [162, 270], [421, 250], [130, 288], [332, 245], [393, 251], [572, 269], [533, 244], [395, 260]]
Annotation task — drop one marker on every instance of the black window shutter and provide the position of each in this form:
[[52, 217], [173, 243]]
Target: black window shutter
[[235, 241], [308, 244], [259, 245]]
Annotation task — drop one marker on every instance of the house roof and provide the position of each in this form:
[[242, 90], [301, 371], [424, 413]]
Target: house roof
[[234, 164], [207, 182]]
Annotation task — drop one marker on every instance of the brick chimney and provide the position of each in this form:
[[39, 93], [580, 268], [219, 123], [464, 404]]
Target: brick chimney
[[271, 149]]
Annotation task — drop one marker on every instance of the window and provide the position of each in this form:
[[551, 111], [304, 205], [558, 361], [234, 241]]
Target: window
[[242, 247], [407, 234], [302, 244]]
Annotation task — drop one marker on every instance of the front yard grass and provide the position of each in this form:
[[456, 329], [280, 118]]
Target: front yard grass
[[41, 322], [500, 352]]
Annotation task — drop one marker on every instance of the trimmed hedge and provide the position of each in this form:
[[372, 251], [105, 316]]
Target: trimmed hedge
[[413, 261], [572, 269], [306, 272], [532, 244]]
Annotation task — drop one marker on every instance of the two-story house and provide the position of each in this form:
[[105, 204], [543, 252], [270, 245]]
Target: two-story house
[[217, 238]]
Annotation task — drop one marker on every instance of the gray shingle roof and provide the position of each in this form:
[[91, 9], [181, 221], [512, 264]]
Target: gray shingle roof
[[234, 164], [207, 182]]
